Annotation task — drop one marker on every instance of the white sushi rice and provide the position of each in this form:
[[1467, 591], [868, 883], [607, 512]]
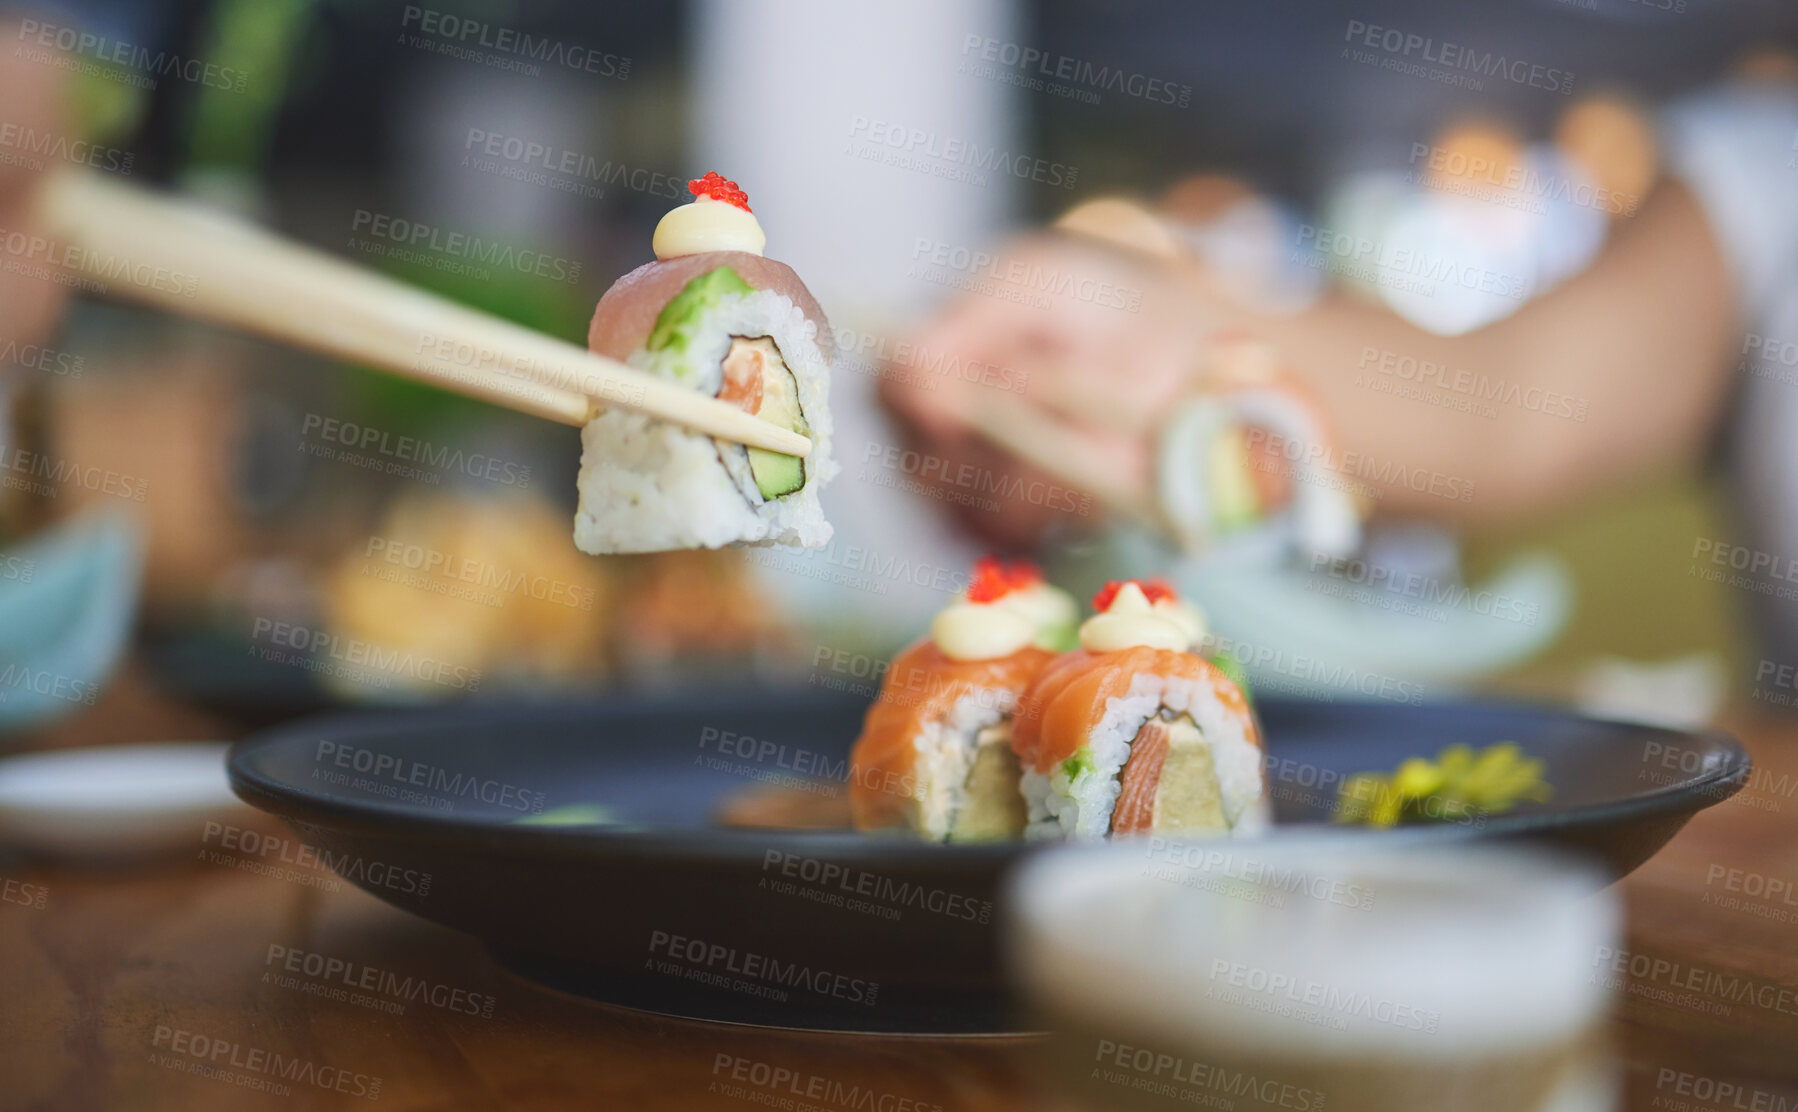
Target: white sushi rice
[[647, 485], [1082, 809], [945, 752]]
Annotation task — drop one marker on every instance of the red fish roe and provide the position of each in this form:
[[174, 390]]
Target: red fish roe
[[994, 579], [1154, 590], [719, 188]]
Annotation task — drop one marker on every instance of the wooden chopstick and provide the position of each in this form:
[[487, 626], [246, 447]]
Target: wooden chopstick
[[195, 262]]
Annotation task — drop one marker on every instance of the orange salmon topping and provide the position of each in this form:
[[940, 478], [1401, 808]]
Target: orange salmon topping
[[1056, 716], [921, 686]]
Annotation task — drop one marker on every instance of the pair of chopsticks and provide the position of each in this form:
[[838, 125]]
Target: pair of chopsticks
[[192, 261]]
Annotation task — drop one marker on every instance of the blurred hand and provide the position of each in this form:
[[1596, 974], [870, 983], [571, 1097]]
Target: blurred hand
[[1102, 343], [31, 113]]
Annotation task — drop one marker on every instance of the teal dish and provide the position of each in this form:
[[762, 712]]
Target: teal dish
[[67, 599]]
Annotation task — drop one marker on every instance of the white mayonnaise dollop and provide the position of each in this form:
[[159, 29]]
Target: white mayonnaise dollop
[[1133, 621], [1045, 606], [708, 225], [980, 631], [1188, 617]]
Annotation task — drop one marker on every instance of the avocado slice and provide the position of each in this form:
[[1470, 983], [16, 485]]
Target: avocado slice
[[675, 323], [777, 473], [1236, 506], [1079, 764], [1063, 637], [1232, 668]]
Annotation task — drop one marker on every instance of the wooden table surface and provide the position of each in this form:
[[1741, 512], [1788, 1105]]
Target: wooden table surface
[[100, 983]]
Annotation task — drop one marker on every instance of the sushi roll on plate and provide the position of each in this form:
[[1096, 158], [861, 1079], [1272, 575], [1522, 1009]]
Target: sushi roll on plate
[[1136, 733], [934, 757], [716, 316]]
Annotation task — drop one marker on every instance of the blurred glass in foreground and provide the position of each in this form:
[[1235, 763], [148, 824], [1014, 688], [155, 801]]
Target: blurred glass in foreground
[[1317, 973]]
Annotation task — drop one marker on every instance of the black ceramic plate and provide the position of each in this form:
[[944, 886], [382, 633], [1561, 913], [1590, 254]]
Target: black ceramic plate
[[664, 909]]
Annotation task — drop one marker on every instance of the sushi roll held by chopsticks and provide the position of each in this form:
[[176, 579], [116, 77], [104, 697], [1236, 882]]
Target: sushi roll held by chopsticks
[[1243, 466], [715, 316], [1135, 733], [934, 756]]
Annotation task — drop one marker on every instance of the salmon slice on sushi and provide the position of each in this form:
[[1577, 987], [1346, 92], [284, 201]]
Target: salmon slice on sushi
[[716, 316], [934, 757], [1136, 733]]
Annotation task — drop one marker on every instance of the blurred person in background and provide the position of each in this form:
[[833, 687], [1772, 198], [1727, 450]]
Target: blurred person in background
[[1650, 338]]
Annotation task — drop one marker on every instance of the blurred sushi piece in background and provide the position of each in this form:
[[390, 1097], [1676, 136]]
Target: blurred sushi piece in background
[[1247, 465]]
